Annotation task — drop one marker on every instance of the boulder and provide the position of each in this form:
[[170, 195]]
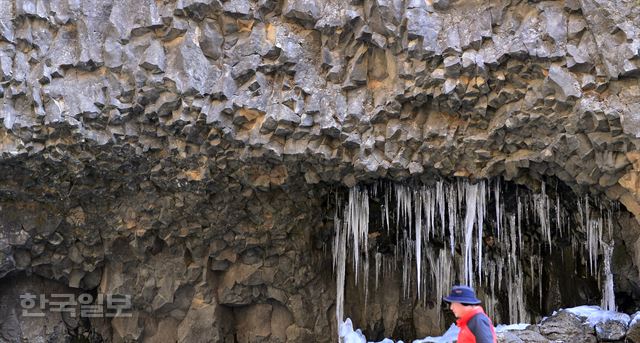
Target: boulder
[[633, 333], [568, 85], [205, 322], [608, 325], [530, 336], [567, 327], [304, 11]]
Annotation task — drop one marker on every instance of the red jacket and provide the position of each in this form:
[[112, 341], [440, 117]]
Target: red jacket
[[466, 335]]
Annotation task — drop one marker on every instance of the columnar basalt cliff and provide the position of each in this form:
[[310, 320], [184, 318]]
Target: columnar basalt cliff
[[188, 152]]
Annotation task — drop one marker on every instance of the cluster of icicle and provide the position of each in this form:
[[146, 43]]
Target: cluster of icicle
[[457, 213]]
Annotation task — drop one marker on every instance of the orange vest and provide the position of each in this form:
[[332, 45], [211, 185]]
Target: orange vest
[[465, 335]]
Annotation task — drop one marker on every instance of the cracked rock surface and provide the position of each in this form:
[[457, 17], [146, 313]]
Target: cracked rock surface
[[183, 151]]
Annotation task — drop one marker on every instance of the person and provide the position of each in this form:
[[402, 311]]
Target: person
[[475, 326]]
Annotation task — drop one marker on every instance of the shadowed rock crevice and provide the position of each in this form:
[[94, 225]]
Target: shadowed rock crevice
[[264, 259]]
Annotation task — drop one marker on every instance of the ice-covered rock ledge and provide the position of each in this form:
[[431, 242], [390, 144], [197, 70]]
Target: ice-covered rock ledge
[[577, 324]]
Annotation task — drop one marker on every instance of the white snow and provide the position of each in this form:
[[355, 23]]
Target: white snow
[[348, 335], [511, 327], [635, 318], [593, 315], [449, 336]]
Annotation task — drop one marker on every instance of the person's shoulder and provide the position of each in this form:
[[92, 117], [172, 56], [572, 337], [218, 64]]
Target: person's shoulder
[[479, 317]]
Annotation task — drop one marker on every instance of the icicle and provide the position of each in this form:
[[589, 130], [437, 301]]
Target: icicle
[[444, 277], [496, 191], [523, 315], [533, 278], [405, 260], [378, 262], [430, 208], [461, 191], [386, 207], [399, 199], [452, 202], [594, 236], [527, 209], [365, 282], [406, 266], [515, 294], [340, 254], [419, 198], [519, 209], [582, 222], [590, 234], [610, 223], [336, 238], [608, 295], [512, 245], [441, 205], [558, 221], [480, 213], [357, 220], [471, 199], [500, 269], [540, 266], [547, 218], [404, 211], [541, 203], [502, 221], [491, 303], [513, 312]]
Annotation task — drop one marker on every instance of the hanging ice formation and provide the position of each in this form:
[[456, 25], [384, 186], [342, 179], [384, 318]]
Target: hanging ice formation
[[441, 230], [608, 298]]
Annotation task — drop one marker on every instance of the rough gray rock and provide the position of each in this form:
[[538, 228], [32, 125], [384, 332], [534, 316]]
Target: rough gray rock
[[568, 85], [305, 11], [18, 323], [566, 327], [529, 336], [611, 330], [508, 337], [633, 333]]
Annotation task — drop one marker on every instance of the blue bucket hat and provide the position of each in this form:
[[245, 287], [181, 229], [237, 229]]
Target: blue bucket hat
[[462, 294]]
